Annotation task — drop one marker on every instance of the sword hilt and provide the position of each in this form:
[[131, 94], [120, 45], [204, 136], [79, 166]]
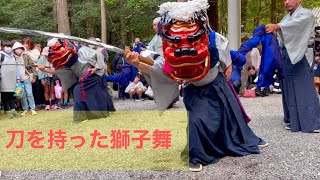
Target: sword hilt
[[141, 58]]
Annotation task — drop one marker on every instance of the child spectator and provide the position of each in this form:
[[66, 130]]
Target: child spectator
[[135, 88], [47, 80]]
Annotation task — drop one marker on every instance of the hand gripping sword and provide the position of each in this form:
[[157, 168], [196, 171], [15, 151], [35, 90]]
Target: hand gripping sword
[[78, 39]]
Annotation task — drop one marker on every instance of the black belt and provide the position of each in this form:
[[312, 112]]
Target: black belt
[[310, 46]]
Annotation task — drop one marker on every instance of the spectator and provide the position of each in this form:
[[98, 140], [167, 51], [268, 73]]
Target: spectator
[[119, 64], [316, 68], [252, 81], [28, 76], [138, 46], [47, 80], [136, 88], [255, 58], [34, 54], [9, 75]]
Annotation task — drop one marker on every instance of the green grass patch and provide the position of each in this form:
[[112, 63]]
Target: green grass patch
[[86, 157]]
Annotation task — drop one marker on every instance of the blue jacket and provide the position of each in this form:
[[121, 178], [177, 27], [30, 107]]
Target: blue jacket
[[271, 62], [236, 73]]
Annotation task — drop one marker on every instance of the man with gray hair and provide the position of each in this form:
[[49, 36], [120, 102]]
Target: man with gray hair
[[155, 45], [156, 42], [300, 102]]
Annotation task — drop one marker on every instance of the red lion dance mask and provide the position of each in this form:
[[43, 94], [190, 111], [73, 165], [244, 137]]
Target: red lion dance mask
[[185, 47], [61, 52]]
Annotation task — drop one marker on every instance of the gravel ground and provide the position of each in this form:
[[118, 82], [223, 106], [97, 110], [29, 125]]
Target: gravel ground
[[289, 156]]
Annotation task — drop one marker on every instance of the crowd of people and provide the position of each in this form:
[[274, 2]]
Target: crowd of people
[[42, 89]]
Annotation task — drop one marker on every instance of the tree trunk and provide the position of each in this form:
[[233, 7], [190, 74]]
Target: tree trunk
[[103, 22], [244, 14], [91, 24], [280, 11], [63, 17], [273, 11], [223, 17], [257, 19], [54, 10], [213, 14], [122, 23]]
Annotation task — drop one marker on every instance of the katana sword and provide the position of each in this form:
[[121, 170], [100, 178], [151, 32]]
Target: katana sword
[[27, 66], [78, 39]]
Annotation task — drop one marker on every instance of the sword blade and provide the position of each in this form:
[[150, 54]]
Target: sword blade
[[60, 36], [29, 65]]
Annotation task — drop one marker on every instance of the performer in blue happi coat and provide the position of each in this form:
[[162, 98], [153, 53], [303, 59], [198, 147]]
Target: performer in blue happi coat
[[300, 102], [199, 57]]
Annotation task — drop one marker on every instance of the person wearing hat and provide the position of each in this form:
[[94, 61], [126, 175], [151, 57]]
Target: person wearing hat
[[28, 75], [9, 76]]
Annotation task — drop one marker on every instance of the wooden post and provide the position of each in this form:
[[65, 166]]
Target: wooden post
[[103, 22]]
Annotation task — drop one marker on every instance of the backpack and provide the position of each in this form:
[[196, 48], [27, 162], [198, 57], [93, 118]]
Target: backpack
[[1, 61], [120, 62]]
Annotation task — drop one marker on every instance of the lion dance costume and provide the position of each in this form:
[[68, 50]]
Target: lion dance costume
[[197, 56], [91, 98]]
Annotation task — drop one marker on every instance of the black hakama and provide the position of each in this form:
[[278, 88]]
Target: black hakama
[[300, 101], [217, 127], [91, 99]]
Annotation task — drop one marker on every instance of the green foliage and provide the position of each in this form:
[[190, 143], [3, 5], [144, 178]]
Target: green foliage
[[137, 17], [265, 14], [126, 19], [26, 14]]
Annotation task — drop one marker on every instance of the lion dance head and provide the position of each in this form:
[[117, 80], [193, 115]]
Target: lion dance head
[[184, 31]]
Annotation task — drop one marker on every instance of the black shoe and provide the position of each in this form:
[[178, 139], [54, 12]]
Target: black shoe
[[64, 106], [170, 106], [259, 93], [266, 91], [262, 143], [195, 167]]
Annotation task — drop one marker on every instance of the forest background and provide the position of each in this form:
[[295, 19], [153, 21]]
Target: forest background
[[120, 21]]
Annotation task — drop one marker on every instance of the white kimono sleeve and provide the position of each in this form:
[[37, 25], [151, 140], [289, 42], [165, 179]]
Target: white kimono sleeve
[[224, 52], [296, 30], [164, 89]]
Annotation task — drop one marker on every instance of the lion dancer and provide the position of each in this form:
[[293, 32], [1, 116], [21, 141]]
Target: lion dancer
[[87, 70], [199, 57]]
